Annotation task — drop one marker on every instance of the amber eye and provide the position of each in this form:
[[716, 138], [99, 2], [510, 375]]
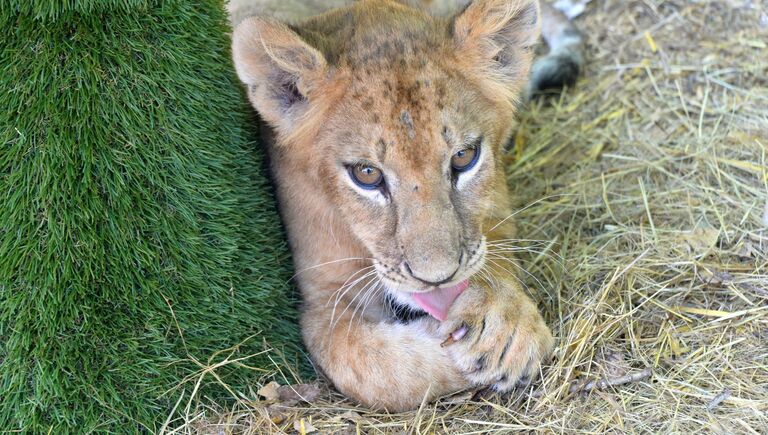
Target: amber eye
[[465, 159], [366, 176]]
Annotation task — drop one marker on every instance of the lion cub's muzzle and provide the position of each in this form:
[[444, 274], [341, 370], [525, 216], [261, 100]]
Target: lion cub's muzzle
[[430, 243], [440, 277], [433, 261]]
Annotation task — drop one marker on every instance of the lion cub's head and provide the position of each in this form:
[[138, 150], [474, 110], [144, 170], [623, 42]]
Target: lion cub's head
[[398, 119]]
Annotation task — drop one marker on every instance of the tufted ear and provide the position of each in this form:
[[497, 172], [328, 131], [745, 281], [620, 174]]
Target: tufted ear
[[497, 39], [279, 68]]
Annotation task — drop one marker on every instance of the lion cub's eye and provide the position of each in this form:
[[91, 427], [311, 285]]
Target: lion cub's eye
[[366, 176], [465, 159]]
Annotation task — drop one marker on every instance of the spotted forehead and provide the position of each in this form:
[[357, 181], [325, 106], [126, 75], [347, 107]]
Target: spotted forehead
[[408, 108], [417, 86]]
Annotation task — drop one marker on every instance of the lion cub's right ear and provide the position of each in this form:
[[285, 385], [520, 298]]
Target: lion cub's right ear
[[279, 68]]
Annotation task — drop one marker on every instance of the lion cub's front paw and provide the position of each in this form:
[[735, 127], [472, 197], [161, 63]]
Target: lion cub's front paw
[[496, 339]]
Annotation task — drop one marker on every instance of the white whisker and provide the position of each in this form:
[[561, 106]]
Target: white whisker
[[525, 208], [372, 276], [502, 241], [522, 269], [362, 293], [502, 251], [487, 276], [347, 283], [511, 274], [346, 288], [550, 255], [328, 263], [378, 290], [365, 301]]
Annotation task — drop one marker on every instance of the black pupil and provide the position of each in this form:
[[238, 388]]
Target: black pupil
[[461, 153], [367, 170]]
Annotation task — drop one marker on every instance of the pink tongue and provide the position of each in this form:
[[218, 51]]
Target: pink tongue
[[438, 301]]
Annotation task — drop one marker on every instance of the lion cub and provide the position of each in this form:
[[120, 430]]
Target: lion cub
[[388, 126]]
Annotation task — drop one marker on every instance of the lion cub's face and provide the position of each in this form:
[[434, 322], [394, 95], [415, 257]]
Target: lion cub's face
[[410, 159], [398, 118]]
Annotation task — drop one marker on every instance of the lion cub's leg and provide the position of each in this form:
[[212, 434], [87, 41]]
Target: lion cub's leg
[[393, 366]]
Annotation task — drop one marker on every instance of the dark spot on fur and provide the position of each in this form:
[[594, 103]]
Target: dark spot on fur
[[482, 327], [406, 119], [524, 380], [481, 362], [441, 91], [381, 149], [480, 332], [399, 46], [504, 351], [384, 49]]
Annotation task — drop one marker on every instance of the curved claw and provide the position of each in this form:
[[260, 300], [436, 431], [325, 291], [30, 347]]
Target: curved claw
[[456, 335]]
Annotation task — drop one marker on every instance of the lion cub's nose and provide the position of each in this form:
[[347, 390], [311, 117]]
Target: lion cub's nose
[[437, 277]]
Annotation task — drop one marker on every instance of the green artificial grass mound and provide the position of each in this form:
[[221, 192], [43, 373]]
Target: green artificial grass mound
[[55, 9], [137, 231]]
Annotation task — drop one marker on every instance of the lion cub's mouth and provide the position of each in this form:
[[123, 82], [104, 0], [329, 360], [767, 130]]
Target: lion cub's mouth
[[438, 301]]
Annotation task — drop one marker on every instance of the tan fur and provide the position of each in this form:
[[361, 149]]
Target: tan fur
[[381, 82]]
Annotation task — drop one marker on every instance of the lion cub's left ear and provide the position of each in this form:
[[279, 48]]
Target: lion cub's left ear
[[495, 39], [279, 68]]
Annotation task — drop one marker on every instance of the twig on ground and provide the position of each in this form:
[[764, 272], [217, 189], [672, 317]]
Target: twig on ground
[[720, 398], [602, 384]]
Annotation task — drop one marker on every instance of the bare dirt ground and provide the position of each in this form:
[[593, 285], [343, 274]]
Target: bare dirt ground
[[644, 192]]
